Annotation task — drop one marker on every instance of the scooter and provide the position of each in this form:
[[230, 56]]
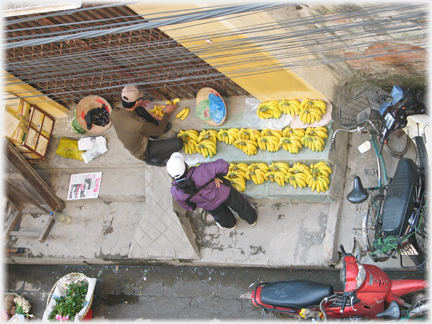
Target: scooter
[[368, 293]]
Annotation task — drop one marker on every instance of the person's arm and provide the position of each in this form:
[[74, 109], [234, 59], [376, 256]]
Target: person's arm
[[151, 129], [182, 203]]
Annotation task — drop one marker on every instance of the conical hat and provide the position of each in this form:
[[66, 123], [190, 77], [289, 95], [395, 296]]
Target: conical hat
[[203, 94], [86, 104]]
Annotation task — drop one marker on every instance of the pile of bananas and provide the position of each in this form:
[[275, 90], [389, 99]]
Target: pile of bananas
[[291, 139], [269, 109], [247, 140], [319, 177], [184, 113], [207, 140], [314, 143], [228, 136], [311, 110], [315, 176], [190, 140], [290, 107], [269, 140], [157, 110]]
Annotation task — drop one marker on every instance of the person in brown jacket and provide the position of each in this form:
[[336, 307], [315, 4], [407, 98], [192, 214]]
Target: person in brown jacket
[[134, 129]]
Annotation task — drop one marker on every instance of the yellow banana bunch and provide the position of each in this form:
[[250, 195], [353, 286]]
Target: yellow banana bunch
[[280, 166], [317, 131], [296, 179], [271, 132], [247, 146], [208, 134], [206, 147], [256, 175], [269, 109], [157, 110], [237, 180], [314, 103], [238, 168], [320, 183], [310, 115], [321, 169], [184, 113], [223, 136], [314, 143], [249, 134], [276, 176], [288, 131], [291, 144], [259, 166], [269, 143], [190, 140], [290, 107], [299, 167], [232, 135]]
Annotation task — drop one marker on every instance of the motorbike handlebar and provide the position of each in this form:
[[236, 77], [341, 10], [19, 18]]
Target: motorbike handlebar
[[342, 250], [344, 301]]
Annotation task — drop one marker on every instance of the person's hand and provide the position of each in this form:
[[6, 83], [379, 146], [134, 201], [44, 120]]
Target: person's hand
[[217, 182], [143, 103], [169, 108]]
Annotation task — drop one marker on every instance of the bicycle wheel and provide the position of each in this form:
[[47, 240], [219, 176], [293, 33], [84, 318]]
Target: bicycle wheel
[[421, 236], [398, 143], [371, 222]]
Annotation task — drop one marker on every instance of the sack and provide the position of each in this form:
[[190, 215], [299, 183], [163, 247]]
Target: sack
[[68, 148]]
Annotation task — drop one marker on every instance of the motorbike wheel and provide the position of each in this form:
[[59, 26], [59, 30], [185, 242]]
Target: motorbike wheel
[[419, 301], [421, 236], [397, 144]]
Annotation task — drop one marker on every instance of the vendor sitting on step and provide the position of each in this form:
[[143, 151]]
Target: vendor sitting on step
[[134, 128]]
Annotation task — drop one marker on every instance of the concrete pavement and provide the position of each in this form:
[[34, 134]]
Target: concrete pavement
[[135, 220]]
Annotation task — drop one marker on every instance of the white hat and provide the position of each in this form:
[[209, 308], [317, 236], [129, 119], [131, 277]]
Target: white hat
[[176, 165], [131, 93]]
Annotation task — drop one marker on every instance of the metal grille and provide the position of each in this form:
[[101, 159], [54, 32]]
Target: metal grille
[[61, 83]]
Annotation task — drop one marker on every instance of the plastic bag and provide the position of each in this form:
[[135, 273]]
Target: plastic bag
[[68, 148], [217, 108], [202, 110]]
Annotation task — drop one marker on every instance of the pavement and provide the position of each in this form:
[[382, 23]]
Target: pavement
[[135, 220]]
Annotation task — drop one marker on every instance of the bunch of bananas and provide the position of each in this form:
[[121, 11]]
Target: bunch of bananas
[[247, 146], [288, 132], [190, 140], [314, 143], [249, 134], [291, 144], [290, 107], [228, 136], [311, 110], [296, 179], [241, 168], [269, 109], [256, 172], [206, 147], [208, 134], [157, 110], [280, 167], [317, 131], [319, 176], [320, 169], [184, 113], [271, 132], [276, 176], [300, 167], [237, 179], [269, 143]]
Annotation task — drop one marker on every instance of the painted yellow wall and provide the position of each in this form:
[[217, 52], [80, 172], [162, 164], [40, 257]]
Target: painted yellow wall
[[21, 89], [281, 84]]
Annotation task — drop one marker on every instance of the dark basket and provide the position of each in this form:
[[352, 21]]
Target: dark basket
[[356, 111]]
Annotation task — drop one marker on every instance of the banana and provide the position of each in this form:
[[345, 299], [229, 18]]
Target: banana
[[185, 114], [223, 136], [291, 107], [182, 112], [269, 109], [247, 146], [157, 110], [208, 134], [320, 104]]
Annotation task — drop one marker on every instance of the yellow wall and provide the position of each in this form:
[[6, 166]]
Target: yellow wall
[[282, 84], [20, 89]]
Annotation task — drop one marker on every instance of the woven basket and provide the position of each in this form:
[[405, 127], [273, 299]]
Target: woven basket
[[86, 104], [203, 94], [76, 277]]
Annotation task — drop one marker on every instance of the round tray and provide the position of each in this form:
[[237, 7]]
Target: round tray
[[203, 95], [86, 104]]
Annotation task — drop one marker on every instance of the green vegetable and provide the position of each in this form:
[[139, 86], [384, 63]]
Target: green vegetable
[[72, 302]]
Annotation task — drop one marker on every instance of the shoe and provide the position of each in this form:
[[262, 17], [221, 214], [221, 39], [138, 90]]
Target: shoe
[[226, 227], [156, 162], [254, 223], [168, 127]]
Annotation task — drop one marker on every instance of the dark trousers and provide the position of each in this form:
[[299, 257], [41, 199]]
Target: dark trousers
[[224, 216], [160, 150]]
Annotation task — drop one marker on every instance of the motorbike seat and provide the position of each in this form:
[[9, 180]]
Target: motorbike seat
[[400, 197], [358, 194], [393, 311], [295, 294]]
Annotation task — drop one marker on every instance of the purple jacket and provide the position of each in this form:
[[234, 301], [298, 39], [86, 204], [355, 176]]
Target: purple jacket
[[209, 197]]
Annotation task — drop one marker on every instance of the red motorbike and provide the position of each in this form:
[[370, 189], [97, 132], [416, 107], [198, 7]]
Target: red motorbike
[[368, 294]]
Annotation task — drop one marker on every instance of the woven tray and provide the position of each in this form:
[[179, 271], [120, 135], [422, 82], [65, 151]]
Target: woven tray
[[86, 104]]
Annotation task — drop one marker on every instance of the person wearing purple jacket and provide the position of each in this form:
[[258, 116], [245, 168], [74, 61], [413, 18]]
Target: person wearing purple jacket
[[204, 186]]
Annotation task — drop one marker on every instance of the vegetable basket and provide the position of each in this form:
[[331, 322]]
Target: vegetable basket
[[59, 289]]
